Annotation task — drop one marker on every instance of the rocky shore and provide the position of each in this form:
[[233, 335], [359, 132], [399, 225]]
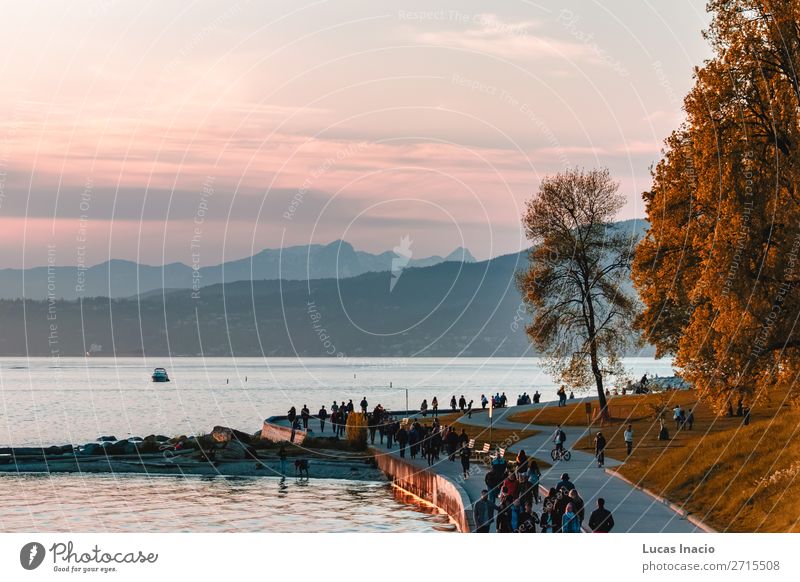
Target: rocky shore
[[224, 451]]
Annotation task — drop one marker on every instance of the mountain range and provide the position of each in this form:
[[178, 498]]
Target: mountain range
[[452, 308], [119, 278]]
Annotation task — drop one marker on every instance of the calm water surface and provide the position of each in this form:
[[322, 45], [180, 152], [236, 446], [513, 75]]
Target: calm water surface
[[45, 401], [138, 503]]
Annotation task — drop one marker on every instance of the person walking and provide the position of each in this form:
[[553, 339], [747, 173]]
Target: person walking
[[402, 439], [462, 404], [569, 521], [469, 409], [483, 513], [601, 520], [628, 436], [465, 455], [600, 449], [690, 418], [322, 415]]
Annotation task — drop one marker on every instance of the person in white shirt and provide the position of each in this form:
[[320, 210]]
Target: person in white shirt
[[628, 436]]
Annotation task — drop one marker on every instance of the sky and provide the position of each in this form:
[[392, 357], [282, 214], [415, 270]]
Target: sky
[[204, 131]]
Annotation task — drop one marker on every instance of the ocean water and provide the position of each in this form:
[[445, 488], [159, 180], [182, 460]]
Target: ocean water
[[141, 503], [45, 401]]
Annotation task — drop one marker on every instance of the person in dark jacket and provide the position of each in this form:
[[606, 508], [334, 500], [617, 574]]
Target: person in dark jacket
[[503, 521], [528, 520], [291, 415], [493, 480], [601, 520], [600, 449], [322, 415], [565, 483], [483, 513], [402, 439], [305, 414], [465, 454], [547, 519]]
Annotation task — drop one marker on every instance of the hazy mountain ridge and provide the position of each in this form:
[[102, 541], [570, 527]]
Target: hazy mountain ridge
[[448, 309], [121, 278]]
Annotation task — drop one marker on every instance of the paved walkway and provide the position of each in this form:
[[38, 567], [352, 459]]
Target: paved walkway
[[633, 510]]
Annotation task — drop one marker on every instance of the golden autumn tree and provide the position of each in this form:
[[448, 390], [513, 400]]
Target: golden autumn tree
[[719, 269], [575, 286]]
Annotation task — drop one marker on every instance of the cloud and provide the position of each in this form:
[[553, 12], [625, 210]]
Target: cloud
[[520, 40]]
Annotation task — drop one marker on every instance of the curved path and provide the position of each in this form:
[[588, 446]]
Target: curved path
[[633, 509]]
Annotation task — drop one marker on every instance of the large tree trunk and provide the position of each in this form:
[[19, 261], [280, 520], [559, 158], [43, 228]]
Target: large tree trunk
[[595, 364]]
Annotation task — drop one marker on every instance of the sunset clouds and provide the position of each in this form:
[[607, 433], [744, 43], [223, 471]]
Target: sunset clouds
[[381, 122]]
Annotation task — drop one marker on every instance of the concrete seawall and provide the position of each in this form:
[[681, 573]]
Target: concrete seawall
[[432, 487]]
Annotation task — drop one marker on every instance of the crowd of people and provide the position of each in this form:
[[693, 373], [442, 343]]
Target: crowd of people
[[512, 495], [512, 501]]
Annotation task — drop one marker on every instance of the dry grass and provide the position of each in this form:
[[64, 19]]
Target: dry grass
[[742, 479], [734, 477]]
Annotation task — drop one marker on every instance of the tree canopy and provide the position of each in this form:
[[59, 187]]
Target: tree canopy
[[574, 286], [718, 270]]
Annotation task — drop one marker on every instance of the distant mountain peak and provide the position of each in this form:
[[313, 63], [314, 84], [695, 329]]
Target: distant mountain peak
[[461, 255]]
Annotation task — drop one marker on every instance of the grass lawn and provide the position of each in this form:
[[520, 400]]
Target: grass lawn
[[734, 477]]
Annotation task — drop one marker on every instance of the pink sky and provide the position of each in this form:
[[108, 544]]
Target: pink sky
[[130, 128]]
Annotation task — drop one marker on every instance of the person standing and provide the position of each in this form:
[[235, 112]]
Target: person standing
[[483, 513], [322, 415], [484, 401], [402, 440], [534, 475], [578, 505], [601, 520], [423, 408], [435, 406], [628, 436], [600, 448], [364, 405], [462, 404], [305, 414], [453, 403], [469, 409], [690, 418], [569, 521], [282, 457]]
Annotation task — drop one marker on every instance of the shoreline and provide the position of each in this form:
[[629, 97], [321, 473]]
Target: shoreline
[[345, 469]]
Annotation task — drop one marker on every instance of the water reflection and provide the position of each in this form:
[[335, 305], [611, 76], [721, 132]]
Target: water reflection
[[141, 503]]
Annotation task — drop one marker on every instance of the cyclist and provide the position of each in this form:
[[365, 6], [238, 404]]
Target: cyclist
[[559, 438]]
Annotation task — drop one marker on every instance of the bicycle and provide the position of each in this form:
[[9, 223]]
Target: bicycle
[[560, 454]]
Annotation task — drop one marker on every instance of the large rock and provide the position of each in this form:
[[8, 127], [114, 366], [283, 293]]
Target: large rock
[[222, 434], [233, 450]]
